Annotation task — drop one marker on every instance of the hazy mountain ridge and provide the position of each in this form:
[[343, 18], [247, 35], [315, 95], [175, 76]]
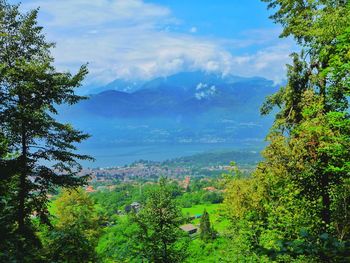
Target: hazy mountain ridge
[[183, 94], [186, 108]]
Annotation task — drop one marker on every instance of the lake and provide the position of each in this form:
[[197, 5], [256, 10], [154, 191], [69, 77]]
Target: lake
[[118, 155]]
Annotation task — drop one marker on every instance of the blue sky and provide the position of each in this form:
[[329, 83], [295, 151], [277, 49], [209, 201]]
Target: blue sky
[[136, 39]]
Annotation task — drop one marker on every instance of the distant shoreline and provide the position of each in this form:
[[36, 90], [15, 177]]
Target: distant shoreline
[[126, 155]]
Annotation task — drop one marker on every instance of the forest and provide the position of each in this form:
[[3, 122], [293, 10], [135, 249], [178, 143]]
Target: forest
[[293, 207]]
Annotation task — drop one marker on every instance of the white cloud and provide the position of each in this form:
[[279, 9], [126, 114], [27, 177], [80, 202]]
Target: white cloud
[[201, 86], [269, 62], [136, 40], [204, 92], [84, 13]]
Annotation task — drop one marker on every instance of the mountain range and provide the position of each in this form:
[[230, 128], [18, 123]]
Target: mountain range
[[185, 108], [181, 95]]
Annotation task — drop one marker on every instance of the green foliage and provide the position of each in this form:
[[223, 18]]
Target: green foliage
[[118, 243], [160, 238], [295, 206], [190, 199], [212, 197], [206, 231], [30, 90], [216, 158], [115, 200], [75, 228], [202, 251], [6, 206]]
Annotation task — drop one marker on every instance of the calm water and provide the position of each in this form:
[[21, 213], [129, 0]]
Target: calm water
[[122, 155]]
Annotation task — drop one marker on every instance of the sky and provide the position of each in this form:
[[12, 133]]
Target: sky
[[142, 40]]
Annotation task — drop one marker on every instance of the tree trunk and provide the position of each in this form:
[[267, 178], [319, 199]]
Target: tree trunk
[[165, 252]]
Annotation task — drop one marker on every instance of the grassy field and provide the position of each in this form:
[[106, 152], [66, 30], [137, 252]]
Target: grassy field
[[215, 213]]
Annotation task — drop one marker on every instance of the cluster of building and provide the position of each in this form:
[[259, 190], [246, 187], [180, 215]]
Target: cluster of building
[[138, 170]]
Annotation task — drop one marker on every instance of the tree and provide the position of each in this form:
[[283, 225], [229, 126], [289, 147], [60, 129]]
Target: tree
[[117, 243], [159, 237], [30, 90], [321, 76], [321, 28], [7, 213], [206, 231], [75, 228], [294, 208]]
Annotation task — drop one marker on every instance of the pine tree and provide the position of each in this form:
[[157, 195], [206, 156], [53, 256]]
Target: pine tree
[[159, 237], [30, 91], [206, 231]]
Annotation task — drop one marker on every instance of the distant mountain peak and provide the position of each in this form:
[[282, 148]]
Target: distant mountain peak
[[182, 80], [128, 86], [189, 107]]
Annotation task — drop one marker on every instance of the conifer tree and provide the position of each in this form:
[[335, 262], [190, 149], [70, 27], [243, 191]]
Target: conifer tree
[[159, 237], [42, 149], [206, 231]]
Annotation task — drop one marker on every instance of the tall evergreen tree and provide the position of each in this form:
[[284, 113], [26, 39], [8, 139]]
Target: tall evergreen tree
[[206, 231], [160, 238], [30, 90]]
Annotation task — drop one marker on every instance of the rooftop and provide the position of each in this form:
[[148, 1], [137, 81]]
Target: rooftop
[[188, 227]]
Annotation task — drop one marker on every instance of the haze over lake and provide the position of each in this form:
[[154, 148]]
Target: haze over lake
[[125, 154]]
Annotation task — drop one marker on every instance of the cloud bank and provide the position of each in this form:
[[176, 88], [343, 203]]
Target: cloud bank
[[138, 40]]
